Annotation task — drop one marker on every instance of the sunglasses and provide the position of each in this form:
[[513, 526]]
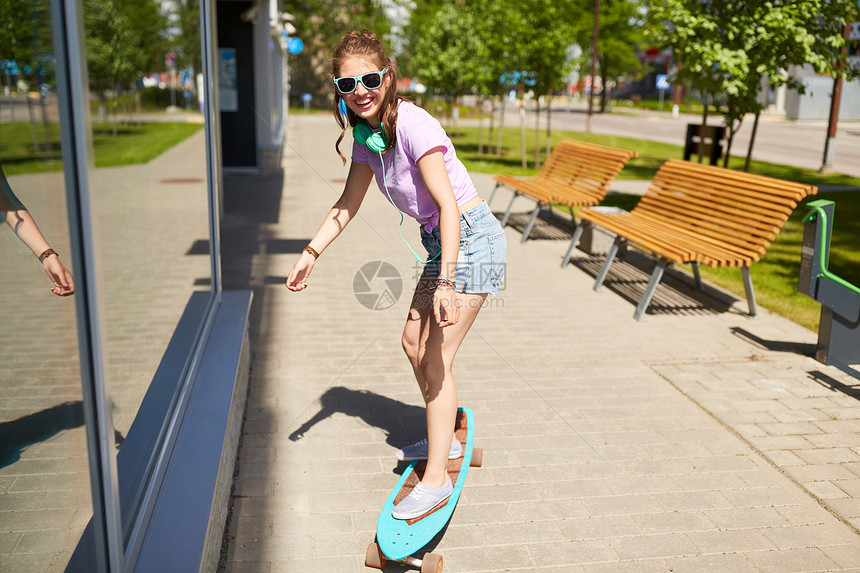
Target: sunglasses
[[371, 81]]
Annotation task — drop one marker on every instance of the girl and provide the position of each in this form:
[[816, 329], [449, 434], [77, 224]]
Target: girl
[[417, 168]]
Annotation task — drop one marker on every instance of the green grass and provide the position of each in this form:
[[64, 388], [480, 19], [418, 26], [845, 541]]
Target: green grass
[[775, 276], [132, 144]]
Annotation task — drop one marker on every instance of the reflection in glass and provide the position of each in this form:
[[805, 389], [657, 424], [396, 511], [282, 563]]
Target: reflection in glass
[[44, 473], [149, 196]]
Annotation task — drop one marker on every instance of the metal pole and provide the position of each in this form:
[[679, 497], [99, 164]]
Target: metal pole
[[593, 64], [835, 99]]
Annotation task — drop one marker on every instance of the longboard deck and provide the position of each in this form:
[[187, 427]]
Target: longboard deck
[[398, 539]]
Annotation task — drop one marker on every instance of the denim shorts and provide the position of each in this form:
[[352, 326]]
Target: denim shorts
[[483, 248]]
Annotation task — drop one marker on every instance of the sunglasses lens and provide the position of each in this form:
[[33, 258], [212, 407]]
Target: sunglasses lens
[[371, 81], [346, 85]]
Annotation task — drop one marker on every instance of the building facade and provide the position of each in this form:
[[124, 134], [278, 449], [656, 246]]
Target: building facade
[[122, 391]]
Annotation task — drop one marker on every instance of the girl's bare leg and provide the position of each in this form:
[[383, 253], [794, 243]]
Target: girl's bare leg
[[431, 352]]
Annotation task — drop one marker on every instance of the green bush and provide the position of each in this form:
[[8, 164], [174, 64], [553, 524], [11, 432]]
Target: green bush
[[155, 98]]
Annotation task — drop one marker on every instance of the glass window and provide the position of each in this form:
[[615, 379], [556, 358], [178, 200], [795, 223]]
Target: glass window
[[45, 496], [150, 203]]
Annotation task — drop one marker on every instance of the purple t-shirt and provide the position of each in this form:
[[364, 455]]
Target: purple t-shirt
[[417, 133]]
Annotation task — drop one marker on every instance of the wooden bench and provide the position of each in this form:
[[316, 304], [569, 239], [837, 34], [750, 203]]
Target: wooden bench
[[694, 213], [577, 174]]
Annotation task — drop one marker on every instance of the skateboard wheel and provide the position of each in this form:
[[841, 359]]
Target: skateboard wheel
[[431, 563], [477, 457], [373, 557]]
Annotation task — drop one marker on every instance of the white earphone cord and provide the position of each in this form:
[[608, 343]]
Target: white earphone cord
[[400, 227]]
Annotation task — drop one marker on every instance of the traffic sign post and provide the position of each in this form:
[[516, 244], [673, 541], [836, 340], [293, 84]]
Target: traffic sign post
[[662, 86]]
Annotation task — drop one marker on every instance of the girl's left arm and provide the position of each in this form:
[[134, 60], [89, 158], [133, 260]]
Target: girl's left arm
[[435, 175]]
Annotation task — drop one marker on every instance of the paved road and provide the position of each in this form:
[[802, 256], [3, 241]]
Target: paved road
[[799, 143]]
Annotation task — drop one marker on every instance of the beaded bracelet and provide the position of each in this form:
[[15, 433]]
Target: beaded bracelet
[[444, 281]]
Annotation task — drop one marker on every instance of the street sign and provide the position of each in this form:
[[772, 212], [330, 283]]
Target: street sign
[[662, 81], [9, 67], [295, 46]]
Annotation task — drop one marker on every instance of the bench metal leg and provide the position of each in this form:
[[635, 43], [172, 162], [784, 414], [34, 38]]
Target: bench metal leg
[[577, 233], [656, 275], [748, 287], [510, 205], [613, 250], [696, 275], [531, 223], [493, 194]]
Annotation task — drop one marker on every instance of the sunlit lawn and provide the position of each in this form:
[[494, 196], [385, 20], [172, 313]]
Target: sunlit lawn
[[35, 147], [775, 276]]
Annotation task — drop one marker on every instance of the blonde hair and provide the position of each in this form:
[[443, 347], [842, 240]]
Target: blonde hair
[[367, 45]]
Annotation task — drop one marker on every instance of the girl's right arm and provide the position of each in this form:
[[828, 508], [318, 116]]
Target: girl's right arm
[[357, 182]]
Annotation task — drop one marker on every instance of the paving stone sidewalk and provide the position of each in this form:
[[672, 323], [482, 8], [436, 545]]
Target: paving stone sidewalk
[[699, 440]]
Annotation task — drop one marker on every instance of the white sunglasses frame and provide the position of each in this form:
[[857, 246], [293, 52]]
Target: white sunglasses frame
[[360, 79]]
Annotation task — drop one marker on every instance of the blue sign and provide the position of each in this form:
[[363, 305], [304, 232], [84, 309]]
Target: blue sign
[[308, 97], [295, 46], [514, 78], [9, 67], [662, 81]]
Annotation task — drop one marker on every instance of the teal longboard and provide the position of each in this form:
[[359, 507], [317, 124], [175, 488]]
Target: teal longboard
[[400, 540]]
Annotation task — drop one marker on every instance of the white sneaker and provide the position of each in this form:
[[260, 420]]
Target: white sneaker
[[422, 499], [418, 451]]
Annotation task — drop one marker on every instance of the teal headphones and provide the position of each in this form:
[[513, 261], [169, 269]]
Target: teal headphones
[[376, 142]]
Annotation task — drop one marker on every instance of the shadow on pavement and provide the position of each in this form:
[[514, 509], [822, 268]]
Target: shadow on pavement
[[16, 435], [402, 423], [675, 295], [801, 348], [835, 385]]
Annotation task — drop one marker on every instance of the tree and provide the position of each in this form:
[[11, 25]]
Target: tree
[[113, 60], [146, 29], [25, 34], [449, 56], [421, 16], [321, 24], [543, 31], [187, 42], [726, 48], [622, 25]]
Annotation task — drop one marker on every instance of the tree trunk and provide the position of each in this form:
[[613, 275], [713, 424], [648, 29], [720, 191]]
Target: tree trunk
[[480, 127], [733, 129], [492, 125], [537, 133], [548, 128], [501, 128], [523, 134], [702, 132], [37, 147], [602, 86], [46, 124], [114, 106], [729, 142], [752, 141]]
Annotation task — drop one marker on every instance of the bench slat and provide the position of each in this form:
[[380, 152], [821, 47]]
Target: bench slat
[[697, 212], [728, 194]]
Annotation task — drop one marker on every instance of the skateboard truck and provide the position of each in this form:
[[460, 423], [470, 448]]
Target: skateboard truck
[[431, 563]]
